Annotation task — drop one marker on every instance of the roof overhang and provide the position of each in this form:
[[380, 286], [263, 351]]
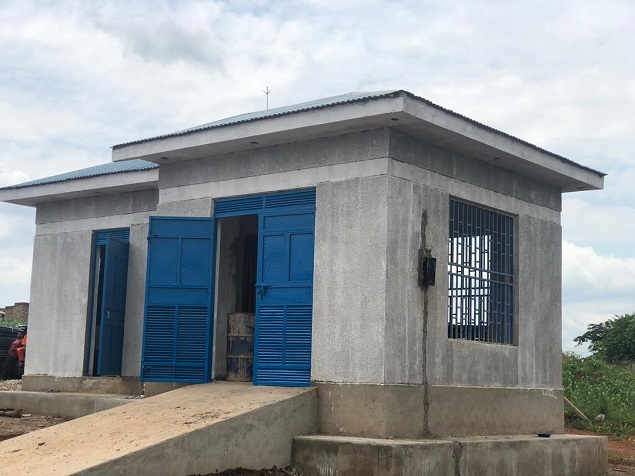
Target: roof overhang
[[82, 188], [400, 110]]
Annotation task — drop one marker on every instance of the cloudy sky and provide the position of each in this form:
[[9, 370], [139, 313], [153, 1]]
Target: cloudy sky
[[77, 77]]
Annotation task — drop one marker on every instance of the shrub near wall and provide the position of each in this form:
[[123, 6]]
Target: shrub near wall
[[599, 388]]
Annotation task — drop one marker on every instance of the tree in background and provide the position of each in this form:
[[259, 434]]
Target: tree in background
[[613, 340]]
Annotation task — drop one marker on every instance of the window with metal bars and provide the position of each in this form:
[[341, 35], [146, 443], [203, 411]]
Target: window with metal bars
[[481, 275]]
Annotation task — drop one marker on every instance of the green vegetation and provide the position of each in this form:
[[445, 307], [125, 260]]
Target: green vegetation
[[612, 341], [598, 387]]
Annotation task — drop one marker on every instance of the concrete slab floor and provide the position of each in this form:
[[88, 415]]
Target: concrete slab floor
[[87, 442]]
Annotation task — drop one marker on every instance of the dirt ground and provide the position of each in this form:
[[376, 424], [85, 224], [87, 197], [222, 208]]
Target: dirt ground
[[11, 427], [621, 454]]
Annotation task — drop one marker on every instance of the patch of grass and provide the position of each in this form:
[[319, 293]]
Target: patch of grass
[[596, 387]]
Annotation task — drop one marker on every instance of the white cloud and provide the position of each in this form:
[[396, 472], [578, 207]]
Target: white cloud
[[17, 229], [11, 177], [595, 288], [609, 228], [16, 271]]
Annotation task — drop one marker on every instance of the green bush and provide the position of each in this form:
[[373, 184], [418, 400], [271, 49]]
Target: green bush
[[613, 340], [597, 387]]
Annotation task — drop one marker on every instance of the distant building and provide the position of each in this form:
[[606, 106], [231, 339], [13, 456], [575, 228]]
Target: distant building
[[19, 312]]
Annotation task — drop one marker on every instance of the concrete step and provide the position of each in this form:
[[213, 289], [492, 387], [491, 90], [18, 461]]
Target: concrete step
[[197, 429], [518, 455], [98, 385], [73, 405]]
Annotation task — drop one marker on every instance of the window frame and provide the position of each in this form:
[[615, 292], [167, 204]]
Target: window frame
[[482, 274]]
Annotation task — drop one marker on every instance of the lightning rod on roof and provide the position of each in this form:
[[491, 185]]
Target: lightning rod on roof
[[267, 91]]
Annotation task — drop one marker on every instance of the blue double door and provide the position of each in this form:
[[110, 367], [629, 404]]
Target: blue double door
[[178, 333]]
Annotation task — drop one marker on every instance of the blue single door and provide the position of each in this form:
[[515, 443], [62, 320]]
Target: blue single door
[[113, 307], [284, 299], [179, 287]]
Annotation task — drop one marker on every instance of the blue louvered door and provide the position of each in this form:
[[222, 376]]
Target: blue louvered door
[[113, 306], [284, 297], [179, 287]]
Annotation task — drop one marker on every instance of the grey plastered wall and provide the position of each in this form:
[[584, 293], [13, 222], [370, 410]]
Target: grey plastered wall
[[535, 361], [135, 300], [61, 276], [59, 300], [539, 303], [202, 207], [95, 207], [403, 354], [350, 281], [445, 162], [277, 159]]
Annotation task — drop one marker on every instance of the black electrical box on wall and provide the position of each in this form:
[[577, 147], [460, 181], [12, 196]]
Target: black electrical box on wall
[[428, 271]]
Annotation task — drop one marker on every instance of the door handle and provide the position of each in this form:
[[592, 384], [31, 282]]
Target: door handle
[[261, 288]]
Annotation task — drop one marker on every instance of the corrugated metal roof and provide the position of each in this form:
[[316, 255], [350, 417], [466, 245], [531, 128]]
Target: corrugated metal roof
[[135, 165], [343, 99], [266, 114]]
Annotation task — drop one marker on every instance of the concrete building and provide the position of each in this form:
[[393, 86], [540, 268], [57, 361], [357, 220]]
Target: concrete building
[[404, 259]]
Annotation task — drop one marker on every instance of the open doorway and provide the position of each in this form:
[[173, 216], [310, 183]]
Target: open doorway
[[95, 314], [234, 318]]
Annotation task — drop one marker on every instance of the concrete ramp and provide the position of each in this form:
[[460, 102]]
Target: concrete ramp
[[195, 429]]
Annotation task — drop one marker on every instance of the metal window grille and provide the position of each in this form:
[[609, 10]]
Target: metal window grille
[[481, 275]]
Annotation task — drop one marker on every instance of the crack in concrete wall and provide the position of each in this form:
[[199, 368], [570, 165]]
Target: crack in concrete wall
[[457, 453], [423, 253]]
